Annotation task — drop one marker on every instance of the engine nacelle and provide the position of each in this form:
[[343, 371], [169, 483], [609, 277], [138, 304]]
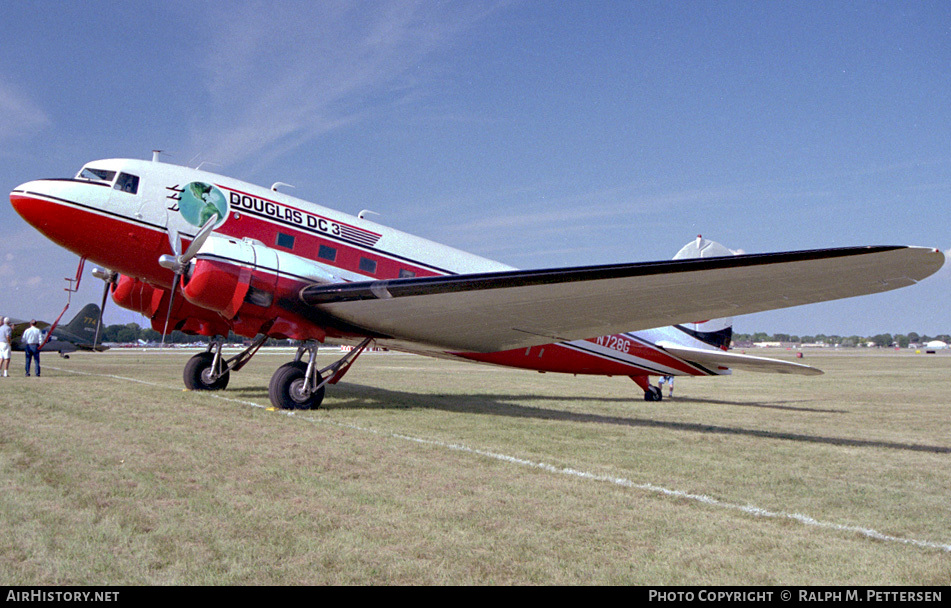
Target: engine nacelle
[[242, 280], [217, 285], [153, 302], [137, 295]]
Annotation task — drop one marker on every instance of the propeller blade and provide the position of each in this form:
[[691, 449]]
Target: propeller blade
[[171, 304], [102, 311], [108, 277], [177, 262], [175, 240], [200, 239]]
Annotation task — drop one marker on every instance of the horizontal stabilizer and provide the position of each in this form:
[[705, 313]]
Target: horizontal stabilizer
[[721, 358]]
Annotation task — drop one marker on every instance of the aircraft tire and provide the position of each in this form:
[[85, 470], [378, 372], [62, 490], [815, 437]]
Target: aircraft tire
[[653, 394], [285, 388], [195, 374]]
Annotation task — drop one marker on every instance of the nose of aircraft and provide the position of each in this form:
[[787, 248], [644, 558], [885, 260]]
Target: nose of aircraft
[[24, 202], [48, 205], [77, 216]]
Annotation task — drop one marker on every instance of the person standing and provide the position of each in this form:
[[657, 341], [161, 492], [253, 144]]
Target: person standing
[[31, 344], [669, 380], [6, 345]]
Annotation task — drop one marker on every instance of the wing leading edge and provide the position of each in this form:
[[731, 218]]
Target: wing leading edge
[[515, 309]]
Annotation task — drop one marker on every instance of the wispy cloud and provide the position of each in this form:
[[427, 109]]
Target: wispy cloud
[[18, 113], [278, 75], [606, 206]]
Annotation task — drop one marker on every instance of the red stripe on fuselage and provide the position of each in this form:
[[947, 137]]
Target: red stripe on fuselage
[[567, 357], [307, 245]]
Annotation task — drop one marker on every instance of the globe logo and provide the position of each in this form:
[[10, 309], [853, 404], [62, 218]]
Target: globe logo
[[200, 201]]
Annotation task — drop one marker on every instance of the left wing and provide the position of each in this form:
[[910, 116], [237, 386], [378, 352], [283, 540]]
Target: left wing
[[514, 309]]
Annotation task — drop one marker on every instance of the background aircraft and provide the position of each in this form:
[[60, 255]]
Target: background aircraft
[[78, 334]]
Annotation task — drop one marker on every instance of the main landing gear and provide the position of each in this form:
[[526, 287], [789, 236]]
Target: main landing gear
[[651, 392], [300, 386], [210, 371], [297, 385]]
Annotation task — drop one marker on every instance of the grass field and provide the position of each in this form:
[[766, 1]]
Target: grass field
[[419, 471]]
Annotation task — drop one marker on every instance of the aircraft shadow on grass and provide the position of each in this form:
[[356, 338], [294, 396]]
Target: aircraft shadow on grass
[[771, 406], [355, 396]]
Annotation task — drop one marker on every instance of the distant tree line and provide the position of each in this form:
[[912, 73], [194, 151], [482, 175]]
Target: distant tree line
[[132, 333], [882, 340]]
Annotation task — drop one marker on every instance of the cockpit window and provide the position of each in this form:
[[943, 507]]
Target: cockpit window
[[97, 175], [127, 183]]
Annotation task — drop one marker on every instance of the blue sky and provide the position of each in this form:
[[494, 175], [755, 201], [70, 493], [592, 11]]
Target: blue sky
[[536, 133]]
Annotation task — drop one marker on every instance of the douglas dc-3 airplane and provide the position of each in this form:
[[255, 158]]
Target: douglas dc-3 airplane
[[206, 254]]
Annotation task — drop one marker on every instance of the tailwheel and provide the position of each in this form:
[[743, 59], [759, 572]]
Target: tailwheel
[[651, 392], [289, 389], [199, 374]]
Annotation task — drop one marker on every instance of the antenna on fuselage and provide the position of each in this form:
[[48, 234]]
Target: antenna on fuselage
[[363, 214], [276, 184], [155, 156]]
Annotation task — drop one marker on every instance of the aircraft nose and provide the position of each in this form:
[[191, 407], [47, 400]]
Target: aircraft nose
[[43, 205], [24, 202], [36, 202]]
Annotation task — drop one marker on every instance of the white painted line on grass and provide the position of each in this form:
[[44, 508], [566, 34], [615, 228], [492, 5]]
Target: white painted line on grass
[[618, 481]]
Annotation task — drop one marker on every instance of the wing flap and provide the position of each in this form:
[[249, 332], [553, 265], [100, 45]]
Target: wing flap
[[515, 309]]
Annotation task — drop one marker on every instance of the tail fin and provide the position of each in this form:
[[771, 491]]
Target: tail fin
[[715, 332], [83, 324]]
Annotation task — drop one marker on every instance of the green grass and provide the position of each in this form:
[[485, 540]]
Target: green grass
[[419, 471]]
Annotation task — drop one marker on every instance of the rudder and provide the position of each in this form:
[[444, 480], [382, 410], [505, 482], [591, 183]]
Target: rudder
[[715, 332]]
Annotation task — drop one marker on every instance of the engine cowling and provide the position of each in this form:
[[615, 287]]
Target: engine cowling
[[229, 275], [152, 302], [217, 285], [243, 279]]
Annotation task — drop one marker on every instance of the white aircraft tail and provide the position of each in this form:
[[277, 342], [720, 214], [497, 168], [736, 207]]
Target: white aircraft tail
[[705, 342], [714, 332]]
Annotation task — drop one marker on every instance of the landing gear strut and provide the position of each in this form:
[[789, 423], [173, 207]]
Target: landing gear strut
[[300, 386], [210, 371]]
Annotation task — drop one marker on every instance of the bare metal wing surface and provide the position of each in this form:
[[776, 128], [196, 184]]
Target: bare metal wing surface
[[515, 309]]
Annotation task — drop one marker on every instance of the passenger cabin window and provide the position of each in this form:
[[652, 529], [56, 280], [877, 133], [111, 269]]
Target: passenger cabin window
[[367, 265], [127, 183], [285, 240], [327, 253]]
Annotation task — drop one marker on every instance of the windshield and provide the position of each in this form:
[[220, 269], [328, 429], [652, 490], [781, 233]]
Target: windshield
[[97, 175]]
